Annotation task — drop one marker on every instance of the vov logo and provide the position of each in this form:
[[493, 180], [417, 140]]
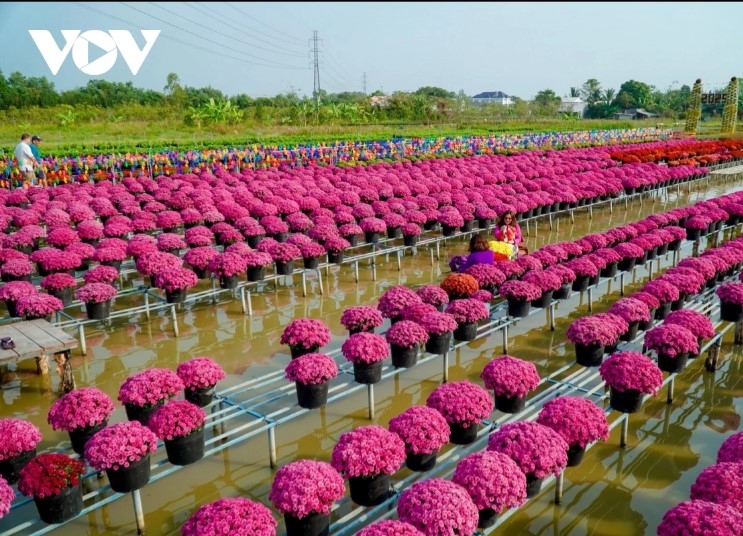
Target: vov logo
[[110, 43]]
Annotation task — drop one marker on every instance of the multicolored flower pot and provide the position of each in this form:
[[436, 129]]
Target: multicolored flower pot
[[187, 449], [60, 508], [312, 396], [672, 365], [370, 490], [312, 525], [628, 401]]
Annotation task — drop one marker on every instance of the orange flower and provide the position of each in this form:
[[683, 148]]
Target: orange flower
[[460, 285]]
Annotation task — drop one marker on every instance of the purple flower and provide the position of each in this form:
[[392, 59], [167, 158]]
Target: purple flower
[[545, 280], [15, 290], [100, 274], [493, 480], [38, 305], [624, 371], [583, 267], [429, 505], [395, 300], [520, 290], [433, 295], [731, 293], [96, 293], [468, 311], [236, 515], [423, 430], [602, 329], [631, 310], [535, 448], [228, 265], [510, 377], [368, 451], [7, 496], [487, 275], [663, 290], [311, 369], [578, 420], [305, 487], [462, 403], [436, 323], [732, 449]]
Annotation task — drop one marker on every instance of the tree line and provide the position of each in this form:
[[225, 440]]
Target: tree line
[[429, 104]]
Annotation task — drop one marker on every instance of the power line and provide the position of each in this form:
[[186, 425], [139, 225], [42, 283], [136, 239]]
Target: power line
[[299, 41], [207, 39], [196, 23], [340, 67], [243, 30], [181, 41]]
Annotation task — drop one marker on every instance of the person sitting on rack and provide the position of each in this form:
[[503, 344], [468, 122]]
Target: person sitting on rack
[[480, 253], [509, 231]]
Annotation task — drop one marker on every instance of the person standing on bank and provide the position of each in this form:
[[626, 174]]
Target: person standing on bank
[[26, 161], [40, 175]]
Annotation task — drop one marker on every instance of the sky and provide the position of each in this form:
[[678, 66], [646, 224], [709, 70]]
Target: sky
[[263, 49]]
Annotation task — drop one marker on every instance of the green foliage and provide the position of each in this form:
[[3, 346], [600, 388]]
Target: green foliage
[[435, 92], [591, 91], [634, 94]]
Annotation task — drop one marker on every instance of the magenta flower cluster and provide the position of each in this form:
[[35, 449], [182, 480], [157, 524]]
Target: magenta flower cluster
[[433, 295], [625, 371], [59, 281], [578, 420], [731, 293], [423, 430], [234, 515], [520, 290], [536, 449], [509, 377], [438, 507], [365, 348], [15, 290], [200, 373], [732, 449], [311, 369], [721, 483], [406, 334], [395, 300], [96, 293], [18, 436], [368, 451], [630, 310], [306, 333], [120, 445], [362, 318], [697, 323], [305, 487], [390, 528], [177, 418], [463, 403], [150, 387], [176, 278], [701, 518], [438, 323], [492, 479], [671, 340], [100, 274], [38, 305], [81, 408], [7, 495], [468, 311], [602, 329]]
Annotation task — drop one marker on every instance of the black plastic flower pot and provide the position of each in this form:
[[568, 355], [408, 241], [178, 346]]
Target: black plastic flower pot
[[544, 301], [731, 312], [486, 517], [466, 331], [253, 241], [367, 373], [610, 270], [371, 490], [98, 311], [410, 240], [59, 508], [589, 355], [187, 449], [403, 357], [371, 237], [311, 263], [663, 310], [134, 477], [644, 326], [675, 245], [439, 344], [627, 265], [581, 283], [484, 223], [564, 292], [335, 257], [672, 365], [447, 230], [518, 308], [461, 435], [176, 296], [284, 268], [533, 485], [510, 404], [631, 332], [628, 401], [80, 436], [662, 249], [314, 524], [10, 468], [468, 226], [228, 282], [575, 455], [312, 396], [420, 462], [394, 232], [652, 253], [256, 273], [693, 234]]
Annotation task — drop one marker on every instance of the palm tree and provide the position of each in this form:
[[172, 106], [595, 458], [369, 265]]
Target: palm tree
[[609, 94], [574, 91]]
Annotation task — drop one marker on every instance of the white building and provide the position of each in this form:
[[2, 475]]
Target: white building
[[492, 97], [573, 105]]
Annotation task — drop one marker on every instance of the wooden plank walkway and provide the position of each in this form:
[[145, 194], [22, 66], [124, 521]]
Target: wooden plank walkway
[[38, 339]]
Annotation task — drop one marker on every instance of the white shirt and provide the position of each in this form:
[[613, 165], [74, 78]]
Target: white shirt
[[24, 156]]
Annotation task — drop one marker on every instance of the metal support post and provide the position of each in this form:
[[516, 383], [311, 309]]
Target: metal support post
[[174, 316], [671, 383], [505, 339], [81, 333], [272, 446], [445, 375], [625, 427], [552, 316], [558, 488], [139, 514], [242, 300], [147, 305], [304, 283], [370, 397], [739, 333], [590, 299]]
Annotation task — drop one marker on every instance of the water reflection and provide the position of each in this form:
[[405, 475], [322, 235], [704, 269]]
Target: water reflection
[[614, 491]]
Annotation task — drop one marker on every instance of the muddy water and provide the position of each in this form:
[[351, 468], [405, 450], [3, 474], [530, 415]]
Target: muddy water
[[614, 491]]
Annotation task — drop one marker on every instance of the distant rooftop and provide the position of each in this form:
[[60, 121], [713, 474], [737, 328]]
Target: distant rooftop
[[491, 95]]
